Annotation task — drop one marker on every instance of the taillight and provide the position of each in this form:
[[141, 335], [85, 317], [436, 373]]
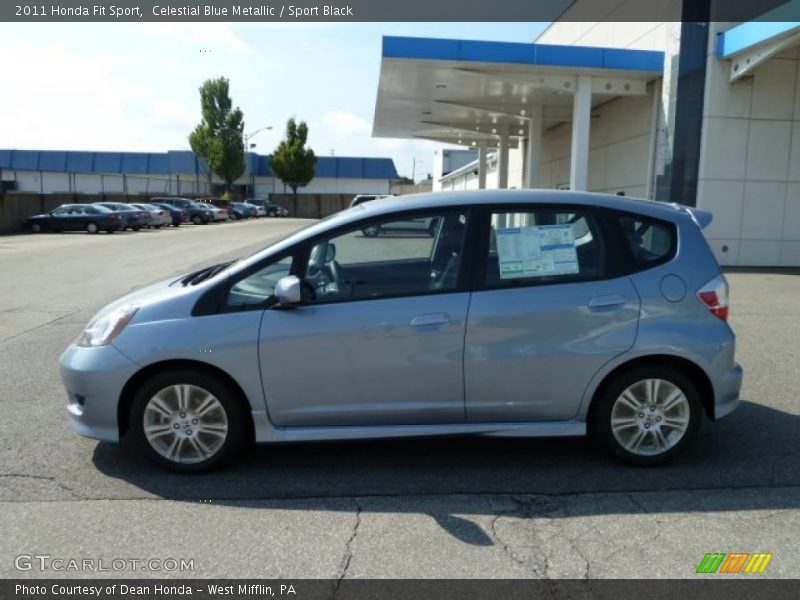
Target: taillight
[[114, 217], [714, 295]]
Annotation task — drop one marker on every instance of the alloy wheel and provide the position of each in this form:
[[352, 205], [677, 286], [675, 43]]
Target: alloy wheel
[[650, 417], [185, 423]]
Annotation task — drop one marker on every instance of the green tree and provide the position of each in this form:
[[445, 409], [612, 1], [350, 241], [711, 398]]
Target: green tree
[[292, 162], [217, 139]]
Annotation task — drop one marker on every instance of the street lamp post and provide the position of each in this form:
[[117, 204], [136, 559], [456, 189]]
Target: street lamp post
[[246, 137]]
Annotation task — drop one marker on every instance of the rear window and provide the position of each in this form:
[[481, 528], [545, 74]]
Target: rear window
[[649, 240]]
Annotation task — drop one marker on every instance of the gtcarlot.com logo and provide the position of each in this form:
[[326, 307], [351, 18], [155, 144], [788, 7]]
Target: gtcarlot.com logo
[[46, 562], [734, 563]]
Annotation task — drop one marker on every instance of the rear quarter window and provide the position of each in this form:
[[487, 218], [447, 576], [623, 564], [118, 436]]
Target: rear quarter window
[[649, 241]]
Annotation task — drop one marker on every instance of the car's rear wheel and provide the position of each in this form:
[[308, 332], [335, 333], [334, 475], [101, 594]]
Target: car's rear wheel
[[197, 219], [188, 421], [36, 228], [648, 415], [92, 228]]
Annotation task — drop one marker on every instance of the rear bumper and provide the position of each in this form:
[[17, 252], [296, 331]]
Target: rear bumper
[[728, 393]]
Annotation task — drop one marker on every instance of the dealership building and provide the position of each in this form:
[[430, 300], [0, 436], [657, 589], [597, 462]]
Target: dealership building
[[177, 173], [702, 113]]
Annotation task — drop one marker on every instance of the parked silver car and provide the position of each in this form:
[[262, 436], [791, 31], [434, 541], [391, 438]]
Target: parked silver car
[[525, 313]]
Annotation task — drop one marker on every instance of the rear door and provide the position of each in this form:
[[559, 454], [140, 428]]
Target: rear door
[[545, 316]]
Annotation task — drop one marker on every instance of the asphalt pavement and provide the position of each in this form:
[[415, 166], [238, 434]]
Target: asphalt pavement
[[454, 507]]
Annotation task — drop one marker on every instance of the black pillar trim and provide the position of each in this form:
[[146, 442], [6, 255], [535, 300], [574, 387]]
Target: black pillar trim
[[690, 98]]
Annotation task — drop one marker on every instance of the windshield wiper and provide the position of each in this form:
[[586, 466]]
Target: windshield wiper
[[203, 274]]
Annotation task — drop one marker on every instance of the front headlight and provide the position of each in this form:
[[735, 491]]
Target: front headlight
[[105, 328]]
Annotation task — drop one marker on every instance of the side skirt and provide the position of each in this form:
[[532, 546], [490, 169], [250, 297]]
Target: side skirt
[[266, 432]]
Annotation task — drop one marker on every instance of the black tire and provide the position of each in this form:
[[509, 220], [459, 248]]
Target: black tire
[[110, 230], [36, 228], [601, 415], [137, 228], [237, 418], [92, 228], [272, 213], [197, 219]]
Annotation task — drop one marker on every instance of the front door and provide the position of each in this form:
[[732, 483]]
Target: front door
[[380, 338]]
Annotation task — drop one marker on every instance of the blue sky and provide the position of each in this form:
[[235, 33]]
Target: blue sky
[[133, 87]]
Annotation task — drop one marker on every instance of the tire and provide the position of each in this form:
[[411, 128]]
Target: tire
[[188, 446], [648, 439], [110, 230], [137, 228], [92, 228], [371, 231], [36, 228], [272, 213], [156, 226], [197, 219]]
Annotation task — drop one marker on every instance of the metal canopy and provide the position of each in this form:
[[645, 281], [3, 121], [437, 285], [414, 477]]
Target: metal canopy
[[468, 93]]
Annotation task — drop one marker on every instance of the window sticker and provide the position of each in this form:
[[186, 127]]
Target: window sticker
[[536, 251]]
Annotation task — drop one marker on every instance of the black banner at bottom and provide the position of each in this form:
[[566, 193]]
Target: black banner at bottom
[[718, 588]]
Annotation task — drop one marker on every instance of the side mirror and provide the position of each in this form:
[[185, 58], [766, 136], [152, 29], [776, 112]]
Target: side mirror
[[288, 291]]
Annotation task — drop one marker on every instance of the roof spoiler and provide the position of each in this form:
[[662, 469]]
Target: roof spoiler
[[701, 217]]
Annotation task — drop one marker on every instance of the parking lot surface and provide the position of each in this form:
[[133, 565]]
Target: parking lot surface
[[458, 507]]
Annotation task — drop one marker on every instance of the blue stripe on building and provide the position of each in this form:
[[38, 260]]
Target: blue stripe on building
[[178, 162]]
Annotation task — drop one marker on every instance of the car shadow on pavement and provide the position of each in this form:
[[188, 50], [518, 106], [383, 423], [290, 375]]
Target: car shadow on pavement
[[730, 467]]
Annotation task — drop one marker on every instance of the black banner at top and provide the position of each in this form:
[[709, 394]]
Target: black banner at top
[[389, 10]]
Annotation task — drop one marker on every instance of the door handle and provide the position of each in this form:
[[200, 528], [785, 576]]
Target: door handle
[[431, 319], [605, 302]]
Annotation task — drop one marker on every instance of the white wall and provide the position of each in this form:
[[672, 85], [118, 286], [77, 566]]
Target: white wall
[[34, 181], [750, 161]]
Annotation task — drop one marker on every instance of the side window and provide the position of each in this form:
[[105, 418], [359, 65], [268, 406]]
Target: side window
[[648, 239], [258, 287], [394, 257], [541, 245], [61, 211]]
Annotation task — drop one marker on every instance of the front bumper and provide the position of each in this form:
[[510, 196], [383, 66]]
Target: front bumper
[[728, 393], [94, 378]]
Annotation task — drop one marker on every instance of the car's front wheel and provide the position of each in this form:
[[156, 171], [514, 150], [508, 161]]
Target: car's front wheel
[[188, 421], [36, 228], [646, 416]]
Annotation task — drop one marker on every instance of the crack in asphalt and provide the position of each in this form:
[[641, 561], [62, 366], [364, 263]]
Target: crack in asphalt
[[344, 565], [51, 479], [514, 496], [27, 331]]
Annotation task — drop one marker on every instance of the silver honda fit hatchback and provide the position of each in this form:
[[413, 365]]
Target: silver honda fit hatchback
[[502, 313]]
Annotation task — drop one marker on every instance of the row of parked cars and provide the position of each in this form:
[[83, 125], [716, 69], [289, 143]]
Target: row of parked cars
[[157, 213]]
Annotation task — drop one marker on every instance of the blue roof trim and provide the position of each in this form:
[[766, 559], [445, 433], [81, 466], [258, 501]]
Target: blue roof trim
[[527, 54], [747, 35], [178, 161]]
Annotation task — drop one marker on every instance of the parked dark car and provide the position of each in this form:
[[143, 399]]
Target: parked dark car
[[237, 211], [246, 211], [198, 214], [77, 217], [272, 209], [136, 218], [178, 214]]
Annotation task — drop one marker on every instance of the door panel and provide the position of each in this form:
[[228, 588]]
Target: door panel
[[531, 351], [374, 362]]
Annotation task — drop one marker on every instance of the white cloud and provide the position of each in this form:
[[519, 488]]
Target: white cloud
[[199, 35]]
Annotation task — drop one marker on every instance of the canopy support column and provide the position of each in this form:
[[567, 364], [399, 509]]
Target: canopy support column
[[581, 122]]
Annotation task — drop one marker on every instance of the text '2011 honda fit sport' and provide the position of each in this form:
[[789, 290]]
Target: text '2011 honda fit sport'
[[503, 313]]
